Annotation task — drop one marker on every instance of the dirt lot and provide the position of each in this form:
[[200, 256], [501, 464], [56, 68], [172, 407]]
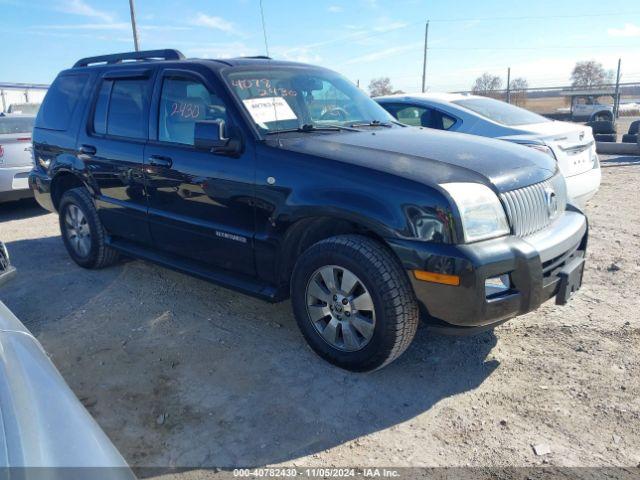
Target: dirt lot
[[179, 372]]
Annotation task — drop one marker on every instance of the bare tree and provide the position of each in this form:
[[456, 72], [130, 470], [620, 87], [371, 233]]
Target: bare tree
[[590, 74], [487, 85], [518, 87], [381, 86]]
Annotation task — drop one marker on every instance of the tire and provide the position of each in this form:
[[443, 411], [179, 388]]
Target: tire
[[630, 138], [77, 206], [392, 322], [603, 117], [606, 137], [602, 126], [634, 128]]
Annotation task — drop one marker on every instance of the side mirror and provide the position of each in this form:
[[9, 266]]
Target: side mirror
[[211, 135]]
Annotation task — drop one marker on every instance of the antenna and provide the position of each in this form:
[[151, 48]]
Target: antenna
[[266, 47], [264, 29]]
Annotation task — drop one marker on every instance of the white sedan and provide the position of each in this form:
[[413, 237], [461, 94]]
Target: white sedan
[[570, 144]]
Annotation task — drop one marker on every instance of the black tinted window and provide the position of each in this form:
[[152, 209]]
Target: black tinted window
[[60, 102], [183, 103], [127, 107]]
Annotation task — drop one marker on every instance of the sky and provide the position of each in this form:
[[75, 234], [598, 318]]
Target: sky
[[363, 39]]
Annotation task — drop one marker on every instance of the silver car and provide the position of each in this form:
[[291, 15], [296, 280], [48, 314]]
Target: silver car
[[15, 156], [571, 145], [42, 423]]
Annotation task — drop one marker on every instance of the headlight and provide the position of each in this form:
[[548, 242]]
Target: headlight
[[480, 210], [541, 148]]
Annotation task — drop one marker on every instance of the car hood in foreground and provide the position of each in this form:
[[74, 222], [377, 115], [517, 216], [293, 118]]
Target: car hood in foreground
[[429, 156]]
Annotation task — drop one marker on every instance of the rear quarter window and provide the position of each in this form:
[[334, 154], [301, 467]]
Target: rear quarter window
[[61, 101]]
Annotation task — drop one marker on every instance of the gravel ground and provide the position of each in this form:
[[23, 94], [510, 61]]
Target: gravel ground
[[180, 372]]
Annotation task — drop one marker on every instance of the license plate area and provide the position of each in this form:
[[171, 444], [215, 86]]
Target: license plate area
[[570, 280]]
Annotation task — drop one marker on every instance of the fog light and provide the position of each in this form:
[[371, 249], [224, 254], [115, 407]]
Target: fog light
[[497, 285]]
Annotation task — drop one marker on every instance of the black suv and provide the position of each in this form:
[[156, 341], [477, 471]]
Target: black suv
[[281, 179]]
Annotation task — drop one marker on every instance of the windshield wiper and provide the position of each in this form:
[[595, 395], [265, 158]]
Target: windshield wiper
[[308, 127], [372, 123]]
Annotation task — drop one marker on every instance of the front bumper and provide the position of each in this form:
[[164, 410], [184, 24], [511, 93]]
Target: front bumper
[[14, 183], [534, 265]]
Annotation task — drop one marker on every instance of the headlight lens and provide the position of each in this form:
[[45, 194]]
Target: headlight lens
[[480, 210]]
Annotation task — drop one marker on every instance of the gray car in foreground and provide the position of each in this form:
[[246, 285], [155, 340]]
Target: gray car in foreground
[[45, 432], [15, 156]]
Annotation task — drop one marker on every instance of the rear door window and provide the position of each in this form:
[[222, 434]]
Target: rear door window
[[121, 108], [410, 115], [61, 101], [419, 116]]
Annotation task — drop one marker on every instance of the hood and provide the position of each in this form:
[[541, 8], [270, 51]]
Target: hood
[[429, 156]]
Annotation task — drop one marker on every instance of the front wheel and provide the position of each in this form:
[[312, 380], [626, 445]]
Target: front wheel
[[353, 302]]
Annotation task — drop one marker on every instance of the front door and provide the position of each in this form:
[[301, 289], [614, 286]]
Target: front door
[[200, 203]]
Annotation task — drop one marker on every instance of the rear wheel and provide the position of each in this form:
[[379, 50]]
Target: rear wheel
[[353, 302], [82, 232]]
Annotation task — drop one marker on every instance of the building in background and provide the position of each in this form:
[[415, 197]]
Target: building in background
[[21, 97]]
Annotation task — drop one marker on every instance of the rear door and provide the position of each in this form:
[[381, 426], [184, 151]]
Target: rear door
[[112, 149], [200, 203]]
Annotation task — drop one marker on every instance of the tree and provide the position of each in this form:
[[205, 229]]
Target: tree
[[381, 86], [518, 88], [487, 85], [590, 74]]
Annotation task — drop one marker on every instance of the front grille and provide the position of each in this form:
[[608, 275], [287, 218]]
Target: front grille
[[528, 209]]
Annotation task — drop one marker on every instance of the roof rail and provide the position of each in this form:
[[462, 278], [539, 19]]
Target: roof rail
[[167, 54], [264, 57]]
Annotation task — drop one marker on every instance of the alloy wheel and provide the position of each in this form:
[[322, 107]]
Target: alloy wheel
[[340, 308], [77, 230]]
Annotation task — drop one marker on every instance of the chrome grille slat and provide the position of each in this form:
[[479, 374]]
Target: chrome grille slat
[[527, 209]]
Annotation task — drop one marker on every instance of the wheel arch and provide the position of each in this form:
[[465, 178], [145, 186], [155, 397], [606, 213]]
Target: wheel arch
[[63, 181], [305, 232], [604, 113]]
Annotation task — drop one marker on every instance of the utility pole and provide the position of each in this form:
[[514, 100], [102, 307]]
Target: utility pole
[[616, 100], [424, 58], [509, 85], [134, 27]]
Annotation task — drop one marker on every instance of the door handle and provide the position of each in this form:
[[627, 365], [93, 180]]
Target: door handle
[[88, 149], [160, 161]]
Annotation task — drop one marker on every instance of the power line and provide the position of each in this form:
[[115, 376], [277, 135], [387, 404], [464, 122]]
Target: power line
[[553, 47], [360, 36], [534, 17]]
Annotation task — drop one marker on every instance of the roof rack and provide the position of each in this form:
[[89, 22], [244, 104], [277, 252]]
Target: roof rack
[[264, 57], [167, 54]]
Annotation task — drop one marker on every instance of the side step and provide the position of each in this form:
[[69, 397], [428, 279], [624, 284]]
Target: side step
[[238, 282]]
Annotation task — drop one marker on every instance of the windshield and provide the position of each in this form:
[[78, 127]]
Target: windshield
[[16, 125], [501, 112], [286, 98]]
